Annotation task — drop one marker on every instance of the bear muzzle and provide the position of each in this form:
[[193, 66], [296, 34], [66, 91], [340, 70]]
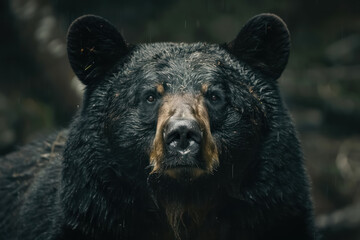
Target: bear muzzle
[[183, 141]]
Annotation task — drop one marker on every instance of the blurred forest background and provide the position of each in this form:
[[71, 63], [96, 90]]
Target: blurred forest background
[[321, 85]]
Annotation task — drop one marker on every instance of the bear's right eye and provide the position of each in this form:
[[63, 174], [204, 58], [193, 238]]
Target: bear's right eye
[[150, 99], [214, 98]]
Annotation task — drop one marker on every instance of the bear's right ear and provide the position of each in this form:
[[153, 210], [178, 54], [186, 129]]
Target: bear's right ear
[[93, 46]]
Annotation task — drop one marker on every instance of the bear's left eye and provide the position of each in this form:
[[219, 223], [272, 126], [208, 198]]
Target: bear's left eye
[[214, 98], [150, 99]]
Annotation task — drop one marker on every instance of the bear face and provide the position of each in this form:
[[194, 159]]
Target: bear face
[[195, 111]]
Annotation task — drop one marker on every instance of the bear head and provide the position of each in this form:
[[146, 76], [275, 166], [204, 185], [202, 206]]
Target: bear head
[[184, 121]]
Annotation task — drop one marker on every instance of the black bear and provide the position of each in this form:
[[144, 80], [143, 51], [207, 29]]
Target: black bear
[[173, 141]]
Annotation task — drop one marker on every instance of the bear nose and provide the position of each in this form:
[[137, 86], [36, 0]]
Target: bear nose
[[182, 135]]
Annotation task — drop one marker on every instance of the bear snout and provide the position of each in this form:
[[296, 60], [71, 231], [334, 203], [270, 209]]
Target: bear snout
[[182, 136]]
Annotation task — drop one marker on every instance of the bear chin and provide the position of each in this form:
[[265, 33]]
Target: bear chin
[[185, 173]]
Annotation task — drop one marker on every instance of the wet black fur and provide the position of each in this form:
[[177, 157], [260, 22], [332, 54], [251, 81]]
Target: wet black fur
[[99, 186]]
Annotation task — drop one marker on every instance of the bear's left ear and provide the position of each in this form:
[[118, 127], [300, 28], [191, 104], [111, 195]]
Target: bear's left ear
[[263, 43], [93, 46]]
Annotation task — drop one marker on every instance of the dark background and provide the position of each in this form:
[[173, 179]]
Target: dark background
[[321, 85]]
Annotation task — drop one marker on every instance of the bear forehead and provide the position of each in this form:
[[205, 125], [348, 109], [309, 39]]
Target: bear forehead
[[180, 51], [183, 65]]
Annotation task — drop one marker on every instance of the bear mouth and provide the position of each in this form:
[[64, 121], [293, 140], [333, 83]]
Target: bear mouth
[[190, 160], [183, 166]]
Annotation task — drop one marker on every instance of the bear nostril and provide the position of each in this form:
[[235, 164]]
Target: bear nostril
[[182, 134], [173, 138]]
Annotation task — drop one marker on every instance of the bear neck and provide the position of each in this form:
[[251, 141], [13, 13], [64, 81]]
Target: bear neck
[[187, 206], [186, 218]]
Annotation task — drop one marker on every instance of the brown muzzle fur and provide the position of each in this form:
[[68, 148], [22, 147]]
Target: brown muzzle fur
[[184, 106]]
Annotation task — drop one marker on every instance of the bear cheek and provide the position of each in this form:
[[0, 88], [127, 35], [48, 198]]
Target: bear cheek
[[209, 148], [157, 152]]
